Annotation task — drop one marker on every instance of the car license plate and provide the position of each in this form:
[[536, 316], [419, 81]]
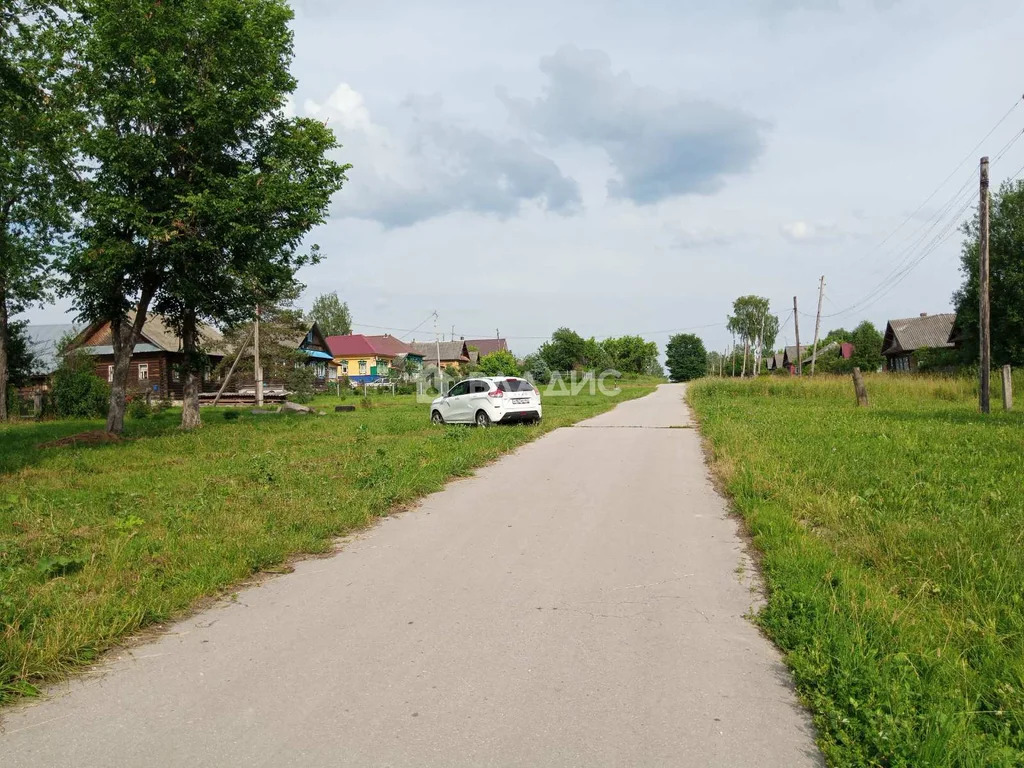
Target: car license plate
[[520, 400]]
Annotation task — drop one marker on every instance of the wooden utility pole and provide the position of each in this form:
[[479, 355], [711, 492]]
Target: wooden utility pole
[[1007, 388], [796, 329], [231, 372], [817, 323], [257, 369], [984, 313], [859, 388], [759, 352], [733, 355]]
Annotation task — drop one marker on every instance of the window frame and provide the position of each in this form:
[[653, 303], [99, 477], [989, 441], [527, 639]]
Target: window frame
[[143, 368]]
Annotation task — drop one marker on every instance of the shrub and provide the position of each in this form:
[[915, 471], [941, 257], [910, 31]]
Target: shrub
[[138, 408], [299, 382], [537, 369], [501, 362], [77, 391]]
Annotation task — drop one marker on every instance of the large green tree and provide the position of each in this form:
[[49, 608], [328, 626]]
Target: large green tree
[[631, 354], [35, 158], [752, 321], [867, 347], [687, 357], [565, 351], [201, 191], [332, 315], [1006, 291]]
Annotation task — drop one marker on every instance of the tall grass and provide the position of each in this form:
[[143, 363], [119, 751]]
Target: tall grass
[[893, 552], [98, 541]]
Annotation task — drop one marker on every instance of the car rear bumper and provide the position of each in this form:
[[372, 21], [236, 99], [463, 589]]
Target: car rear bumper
[[513, 416]]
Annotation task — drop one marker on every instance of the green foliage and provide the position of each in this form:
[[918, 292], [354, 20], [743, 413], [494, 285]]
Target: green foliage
[[565, 351], [687, 358], [867, 347], [938, 360], [20, 358], [201, 190], [501, 362], [537, 369], [300, 382], [631, 354], [568, 351], [751, 320], [138, 408], [1006, 291], [890, 541], [76, 391], [332, 315], [35, 179]]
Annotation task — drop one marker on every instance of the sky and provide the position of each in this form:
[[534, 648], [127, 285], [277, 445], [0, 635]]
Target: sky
[[632, 168]]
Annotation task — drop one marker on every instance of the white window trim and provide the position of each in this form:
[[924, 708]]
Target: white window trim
[[110, 374], [143, 368]]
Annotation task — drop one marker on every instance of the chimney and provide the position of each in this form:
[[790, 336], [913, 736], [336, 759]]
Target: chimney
[[924, 314]]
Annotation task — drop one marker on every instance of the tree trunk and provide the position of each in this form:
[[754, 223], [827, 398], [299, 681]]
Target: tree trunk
[[743, 373], [190, 418], [4, 373], [123, 335]]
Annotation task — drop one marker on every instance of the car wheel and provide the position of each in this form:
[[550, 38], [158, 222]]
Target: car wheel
[[436, 418], [482, 419]]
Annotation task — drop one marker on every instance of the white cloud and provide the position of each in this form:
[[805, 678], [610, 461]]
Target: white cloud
[[434, 167]]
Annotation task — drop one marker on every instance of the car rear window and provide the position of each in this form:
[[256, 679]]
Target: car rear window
[[515, 385]]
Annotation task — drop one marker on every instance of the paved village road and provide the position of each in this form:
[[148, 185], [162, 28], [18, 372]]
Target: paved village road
[[577, 603]]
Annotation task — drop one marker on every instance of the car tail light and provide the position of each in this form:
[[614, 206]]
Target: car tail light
[[496, 393]]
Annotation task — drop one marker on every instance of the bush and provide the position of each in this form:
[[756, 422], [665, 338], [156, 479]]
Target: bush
[[501, 362], [138, 408], [299, 382], [537, 369], [77, 392]]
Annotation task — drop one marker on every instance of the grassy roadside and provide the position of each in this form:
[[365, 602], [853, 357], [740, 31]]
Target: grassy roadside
[[97, 541], [893, 552]]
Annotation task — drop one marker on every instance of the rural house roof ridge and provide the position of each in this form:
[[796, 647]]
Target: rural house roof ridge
[[909, 333]]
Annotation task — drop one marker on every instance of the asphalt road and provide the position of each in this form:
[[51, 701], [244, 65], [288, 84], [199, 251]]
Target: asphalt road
[[580, 602]]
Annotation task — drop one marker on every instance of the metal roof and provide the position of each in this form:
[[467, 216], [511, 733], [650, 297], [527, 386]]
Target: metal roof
[[912, 333], [486, 346]]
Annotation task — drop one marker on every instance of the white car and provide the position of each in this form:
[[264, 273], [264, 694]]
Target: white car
[[487, 400]]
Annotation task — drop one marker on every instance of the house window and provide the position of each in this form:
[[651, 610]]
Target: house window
[[110, 373], [175, 374], [362, 367], [332, 373], [344, 367], [143, 371]]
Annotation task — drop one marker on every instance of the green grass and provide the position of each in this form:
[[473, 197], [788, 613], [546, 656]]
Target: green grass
[[892, 543], [98, 541]]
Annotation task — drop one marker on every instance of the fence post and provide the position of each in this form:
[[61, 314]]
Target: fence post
[[1007, 388], [859, 388], [37, 402]]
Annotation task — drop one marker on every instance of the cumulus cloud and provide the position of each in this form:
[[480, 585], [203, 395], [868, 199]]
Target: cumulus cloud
[[400, 178], [660, 144]]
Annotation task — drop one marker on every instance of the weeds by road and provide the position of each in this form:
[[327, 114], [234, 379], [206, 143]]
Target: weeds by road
[[893, 552], [97, 541]]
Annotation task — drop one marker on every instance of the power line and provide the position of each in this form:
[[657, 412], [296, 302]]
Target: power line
[[952, 173]]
